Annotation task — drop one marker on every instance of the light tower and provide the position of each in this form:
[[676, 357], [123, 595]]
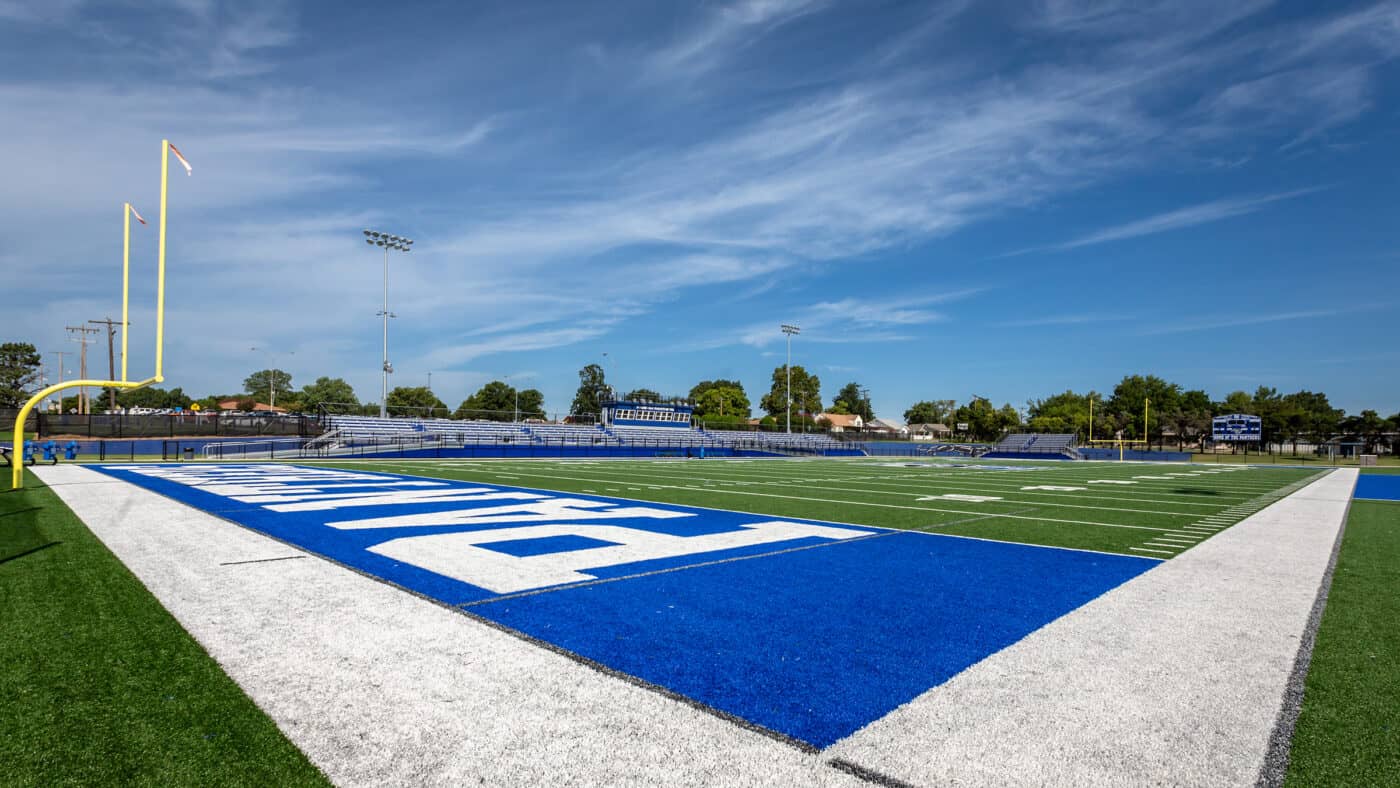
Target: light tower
[[398, 244], [789, 331]]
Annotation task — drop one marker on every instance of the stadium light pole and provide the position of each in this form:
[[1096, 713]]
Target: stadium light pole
[[515, 416], [398, 244], [789, 331]]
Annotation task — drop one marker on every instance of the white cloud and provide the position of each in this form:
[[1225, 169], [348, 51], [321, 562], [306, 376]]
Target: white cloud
[[1215, 323], [1190, 216], [727, 27], [1075, 319]]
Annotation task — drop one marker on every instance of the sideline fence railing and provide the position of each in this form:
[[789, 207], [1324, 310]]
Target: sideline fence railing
[[170, 425]]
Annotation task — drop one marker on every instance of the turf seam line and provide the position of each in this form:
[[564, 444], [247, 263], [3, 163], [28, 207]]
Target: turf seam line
[[668, 570], [1274, 770], [261, 560], [866, 774]]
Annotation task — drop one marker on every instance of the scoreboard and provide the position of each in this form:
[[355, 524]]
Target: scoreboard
[[1236, 427]]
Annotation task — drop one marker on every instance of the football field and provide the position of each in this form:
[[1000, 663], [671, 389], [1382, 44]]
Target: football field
[[742, 621], [1153, 511]]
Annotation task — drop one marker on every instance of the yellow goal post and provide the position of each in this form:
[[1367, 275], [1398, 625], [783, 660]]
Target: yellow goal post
[[17, 458]]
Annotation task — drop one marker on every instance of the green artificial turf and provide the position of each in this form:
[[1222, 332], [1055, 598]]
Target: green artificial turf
[[1130, 518], [1348, 733], [100, 685]]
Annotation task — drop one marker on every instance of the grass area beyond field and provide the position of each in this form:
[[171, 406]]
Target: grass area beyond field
[[1152, 511], [1349, 731], [101, 684]]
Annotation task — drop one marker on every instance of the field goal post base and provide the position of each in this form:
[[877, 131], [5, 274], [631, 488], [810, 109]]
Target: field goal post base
[[17, 472], [1121, 444]]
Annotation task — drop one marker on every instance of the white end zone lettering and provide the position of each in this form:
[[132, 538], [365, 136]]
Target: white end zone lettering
[[459, 556]]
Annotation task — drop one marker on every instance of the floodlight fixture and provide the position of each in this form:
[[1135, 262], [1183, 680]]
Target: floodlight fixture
[[789, 330], [387, 241]]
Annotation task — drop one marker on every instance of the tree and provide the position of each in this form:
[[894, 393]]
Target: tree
[[1008, 417], [262, 383], [591, 386], [705, 385], [153, 397], [332, 391], [416, 401], [1190, 419], [726, 403], [937, 411], [806, 393], [531, 404], [1061, 413], [984, 422], [1368, 427], [494, 401], [1129, 397], [643, 394], [1269, 407], [20, 365], [721, 399], [855, 400], [1236, 402]]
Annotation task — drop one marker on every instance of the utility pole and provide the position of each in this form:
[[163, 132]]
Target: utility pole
[[60, 354], [111, 358], [84, 407]]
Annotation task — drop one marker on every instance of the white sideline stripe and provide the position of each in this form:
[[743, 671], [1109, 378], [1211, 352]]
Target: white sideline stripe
[[1146, 550], [1153, 682], [380, 687]]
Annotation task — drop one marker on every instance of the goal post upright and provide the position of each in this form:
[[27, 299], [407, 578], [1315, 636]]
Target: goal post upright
[[17, 458]]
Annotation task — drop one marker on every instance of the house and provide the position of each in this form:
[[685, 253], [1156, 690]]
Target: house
[[259, 407], [840, 422], [883, 427], [929, 432]]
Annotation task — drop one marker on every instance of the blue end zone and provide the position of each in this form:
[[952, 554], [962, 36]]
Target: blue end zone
[[813, 634], [1378, 487]]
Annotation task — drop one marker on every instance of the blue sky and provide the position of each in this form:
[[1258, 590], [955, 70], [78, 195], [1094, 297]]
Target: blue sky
[[1006, 199]]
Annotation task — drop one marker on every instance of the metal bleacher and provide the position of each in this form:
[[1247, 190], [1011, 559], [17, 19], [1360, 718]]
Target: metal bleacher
[[1034, 443], [352, 434]]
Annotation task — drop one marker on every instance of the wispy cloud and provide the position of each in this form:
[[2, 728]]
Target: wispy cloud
[[847, 321], [1181, 218], [1079, 318], [1187, 325], [725, 28]]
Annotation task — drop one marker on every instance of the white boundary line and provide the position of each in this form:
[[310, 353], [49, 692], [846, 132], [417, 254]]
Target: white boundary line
[[1157, 681]]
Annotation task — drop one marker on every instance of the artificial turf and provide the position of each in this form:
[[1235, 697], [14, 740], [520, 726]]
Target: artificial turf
[[1132, 516], [1348, 732], [100, 685]]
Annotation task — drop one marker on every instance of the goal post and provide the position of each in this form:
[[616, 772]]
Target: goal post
[[17, 474], [1122, 444]]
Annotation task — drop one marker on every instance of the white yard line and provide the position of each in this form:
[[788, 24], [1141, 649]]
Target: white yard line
[[863, 503], [380, 687], [1155, 682]]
